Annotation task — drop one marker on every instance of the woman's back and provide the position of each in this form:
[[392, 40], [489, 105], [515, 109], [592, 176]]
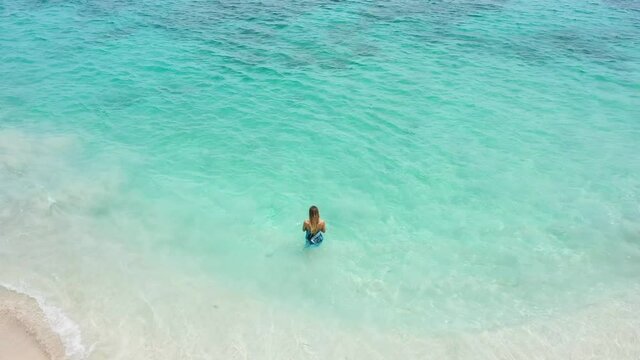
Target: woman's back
[[314, 227], [320, 227]]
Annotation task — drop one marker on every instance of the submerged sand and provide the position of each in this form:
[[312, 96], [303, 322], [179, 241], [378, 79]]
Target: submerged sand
[[25, 333], [604, 331]]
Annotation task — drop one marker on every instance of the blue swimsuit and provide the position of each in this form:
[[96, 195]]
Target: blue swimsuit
[[314, 239]]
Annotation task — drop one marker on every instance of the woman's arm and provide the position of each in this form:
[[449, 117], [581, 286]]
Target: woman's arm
[[304, 225], [324, 227]]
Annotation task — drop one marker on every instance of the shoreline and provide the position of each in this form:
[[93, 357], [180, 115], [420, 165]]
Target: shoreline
[[25, 333], [608, 330]]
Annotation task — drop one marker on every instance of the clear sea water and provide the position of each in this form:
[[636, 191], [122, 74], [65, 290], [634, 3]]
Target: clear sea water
[[477, 163]]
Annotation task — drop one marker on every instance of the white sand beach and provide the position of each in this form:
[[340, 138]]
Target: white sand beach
[[24, 331]]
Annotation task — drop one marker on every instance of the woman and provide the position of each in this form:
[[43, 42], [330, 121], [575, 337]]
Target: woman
[[314, 227]]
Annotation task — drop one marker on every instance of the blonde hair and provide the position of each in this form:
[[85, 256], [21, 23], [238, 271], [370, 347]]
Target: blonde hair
[[314, 218]]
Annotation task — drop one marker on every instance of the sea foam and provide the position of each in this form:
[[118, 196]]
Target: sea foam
[[64, 327]]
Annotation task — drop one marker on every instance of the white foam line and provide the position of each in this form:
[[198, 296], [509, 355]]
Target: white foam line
[[68, 331]]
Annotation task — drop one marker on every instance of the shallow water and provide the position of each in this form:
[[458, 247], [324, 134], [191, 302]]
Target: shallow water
[[476, 163]]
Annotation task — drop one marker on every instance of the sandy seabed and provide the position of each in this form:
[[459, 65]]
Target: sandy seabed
[[610, 331]]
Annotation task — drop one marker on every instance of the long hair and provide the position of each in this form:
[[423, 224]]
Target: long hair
[[314, 218]]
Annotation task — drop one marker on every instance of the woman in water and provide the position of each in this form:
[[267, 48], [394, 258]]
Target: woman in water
[[314, 227]]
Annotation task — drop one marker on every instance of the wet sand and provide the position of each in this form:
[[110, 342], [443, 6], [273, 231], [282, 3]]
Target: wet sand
[[24, 332], [17, 343]]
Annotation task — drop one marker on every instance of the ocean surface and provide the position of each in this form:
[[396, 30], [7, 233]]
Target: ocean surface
[[477, 163]]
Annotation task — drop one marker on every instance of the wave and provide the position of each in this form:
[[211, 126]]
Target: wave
[[57, 321]]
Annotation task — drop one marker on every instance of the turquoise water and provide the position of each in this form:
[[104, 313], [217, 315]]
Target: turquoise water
[[476, 162]]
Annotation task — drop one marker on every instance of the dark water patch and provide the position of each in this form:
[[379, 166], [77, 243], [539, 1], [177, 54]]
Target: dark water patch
[[578, 44], [432, 12], [103, 9], [632, 5]]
